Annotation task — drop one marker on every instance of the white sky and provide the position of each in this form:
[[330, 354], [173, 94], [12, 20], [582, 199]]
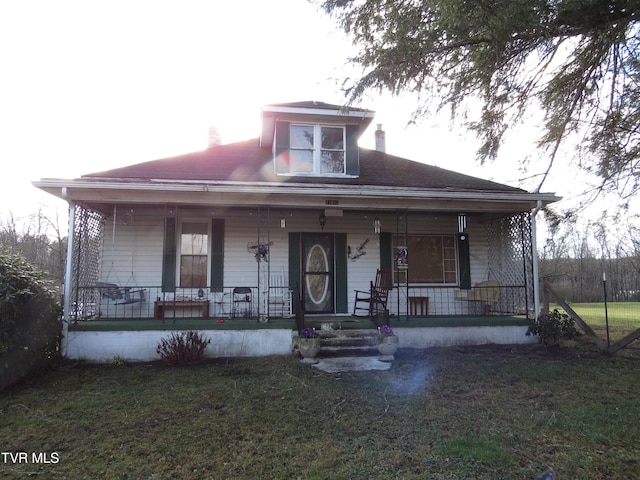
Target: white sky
[[88, 86]]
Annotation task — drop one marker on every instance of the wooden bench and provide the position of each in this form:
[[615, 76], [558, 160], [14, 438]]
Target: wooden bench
[[161, 305]]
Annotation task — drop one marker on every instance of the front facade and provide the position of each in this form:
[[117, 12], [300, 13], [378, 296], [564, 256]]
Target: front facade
[[240, 230]]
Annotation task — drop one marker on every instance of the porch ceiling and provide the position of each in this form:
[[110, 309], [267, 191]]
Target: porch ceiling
[[100, 195]]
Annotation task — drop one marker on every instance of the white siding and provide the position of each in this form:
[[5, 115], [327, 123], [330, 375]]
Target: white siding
[[132, 252]]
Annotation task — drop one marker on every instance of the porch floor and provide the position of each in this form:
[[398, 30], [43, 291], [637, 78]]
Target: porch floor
[[341, 322]]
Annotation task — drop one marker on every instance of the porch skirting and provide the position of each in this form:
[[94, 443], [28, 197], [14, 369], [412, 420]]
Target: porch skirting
[[105, 346]]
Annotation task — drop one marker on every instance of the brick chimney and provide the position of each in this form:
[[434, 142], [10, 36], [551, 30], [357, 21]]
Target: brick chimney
[[381, 145], [215, 138]]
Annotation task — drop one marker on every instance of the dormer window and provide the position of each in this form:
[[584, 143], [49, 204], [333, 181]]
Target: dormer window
[[314, 138], [317, 149]]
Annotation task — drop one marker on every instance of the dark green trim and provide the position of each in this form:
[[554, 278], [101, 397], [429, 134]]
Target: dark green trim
[[217, 254], [352, 153], [282, 147], [341, 272], [295, 275], [464, 261], [346, 323], [169, 256], [386, 259]]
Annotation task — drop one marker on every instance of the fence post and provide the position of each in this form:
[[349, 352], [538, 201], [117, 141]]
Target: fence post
[[606, 309], [545, 302]]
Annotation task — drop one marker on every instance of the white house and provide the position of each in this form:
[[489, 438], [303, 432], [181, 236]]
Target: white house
[[231, 231]]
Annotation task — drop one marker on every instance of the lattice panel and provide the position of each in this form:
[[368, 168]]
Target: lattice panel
[[511, 259], [87, 241]]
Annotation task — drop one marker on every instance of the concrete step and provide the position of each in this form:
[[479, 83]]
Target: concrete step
[[348, 343]]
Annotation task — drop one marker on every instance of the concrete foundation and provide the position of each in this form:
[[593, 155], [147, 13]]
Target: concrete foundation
[[104, 346]]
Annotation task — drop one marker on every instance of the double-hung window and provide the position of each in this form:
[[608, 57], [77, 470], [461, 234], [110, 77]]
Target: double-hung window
[[317, 149], [194, 254]]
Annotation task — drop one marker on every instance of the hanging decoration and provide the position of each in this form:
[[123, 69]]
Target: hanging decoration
[[260, 250], [402, 257], [377, 226], [359, 251]]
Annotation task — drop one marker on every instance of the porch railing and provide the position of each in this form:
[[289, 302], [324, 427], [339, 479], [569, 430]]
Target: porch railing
[[111, 301], [453, 301], [107, 300]]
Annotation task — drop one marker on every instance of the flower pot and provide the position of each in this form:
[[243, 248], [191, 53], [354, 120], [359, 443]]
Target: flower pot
[[309, 349], [387, 346]]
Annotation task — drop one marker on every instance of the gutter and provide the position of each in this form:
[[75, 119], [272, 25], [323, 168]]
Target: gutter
[[357, 191]]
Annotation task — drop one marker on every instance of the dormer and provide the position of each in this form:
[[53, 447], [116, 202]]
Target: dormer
[[314, 138]]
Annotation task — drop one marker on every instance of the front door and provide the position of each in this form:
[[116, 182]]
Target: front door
[[317, 271]]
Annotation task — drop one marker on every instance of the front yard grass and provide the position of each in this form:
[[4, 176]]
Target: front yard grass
[[444, 413]]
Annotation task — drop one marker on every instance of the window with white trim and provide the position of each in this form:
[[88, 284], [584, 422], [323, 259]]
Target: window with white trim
[[425, 259], [194, 254], [317, 149]]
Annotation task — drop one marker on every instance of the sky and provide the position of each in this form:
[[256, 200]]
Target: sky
[[89, 86]]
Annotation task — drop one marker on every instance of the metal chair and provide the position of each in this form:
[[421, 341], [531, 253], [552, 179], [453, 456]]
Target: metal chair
[[242, 296]]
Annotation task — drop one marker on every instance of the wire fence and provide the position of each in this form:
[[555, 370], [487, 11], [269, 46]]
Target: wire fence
[[612, 321], [614, 325]]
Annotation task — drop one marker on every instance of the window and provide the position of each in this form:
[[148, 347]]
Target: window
[[194, 254], [425, 259], [317, 149]]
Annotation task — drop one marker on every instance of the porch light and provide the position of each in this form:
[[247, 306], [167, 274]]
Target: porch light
[[377, 226], [322, 219], [283, 222], [462, 223]]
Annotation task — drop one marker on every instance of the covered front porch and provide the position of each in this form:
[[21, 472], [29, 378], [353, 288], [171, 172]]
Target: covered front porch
[[442, 265], [456, 279]]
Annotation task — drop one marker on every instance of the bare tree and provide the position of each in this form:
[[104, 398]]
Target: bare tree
[[39, 239]]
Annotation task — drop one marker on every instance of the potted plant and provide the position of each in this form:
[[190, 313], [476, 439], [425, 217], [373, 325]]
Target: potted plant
[[387, 343], [309, 345]]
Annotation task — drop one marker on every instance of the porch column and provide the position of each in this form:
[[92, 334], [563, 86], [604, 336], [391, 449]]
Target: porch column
[[534, 247], [66, 307]]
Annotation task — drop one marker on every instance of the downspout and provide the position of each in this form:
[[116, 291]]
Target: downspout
[[534, 248], [66, 307]]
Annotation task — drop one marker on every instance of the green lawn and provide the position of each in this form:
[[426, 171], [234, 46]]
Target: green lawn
[[624, 317], [494, 412], [619, 313]]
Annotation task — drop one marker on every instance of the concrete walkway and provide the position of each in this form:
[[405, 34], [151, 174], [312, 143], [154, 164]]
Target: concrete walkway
[[351, 364]]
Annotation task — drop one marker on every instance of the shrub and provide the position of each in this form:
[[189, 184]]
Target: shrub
[[554, 327], [30, 323], [183, 348]]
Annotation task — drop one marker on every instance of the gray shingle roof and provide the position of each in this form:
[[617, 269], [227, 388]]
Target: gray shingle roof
[[248, 162]]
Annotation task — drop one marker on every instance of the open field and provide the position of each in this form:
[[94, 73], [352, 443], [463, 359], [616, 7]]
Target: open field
[[620, 313], [493, 412], [624, 317]]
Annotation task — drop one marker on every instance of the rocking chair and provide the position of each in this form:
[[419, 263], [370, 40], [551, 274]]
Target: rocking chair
[[374, 302]]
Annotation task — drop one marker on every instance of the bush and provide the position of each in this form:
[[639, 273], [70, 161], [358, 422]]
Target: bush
[[554, 327], [30, 323], [183, 348]]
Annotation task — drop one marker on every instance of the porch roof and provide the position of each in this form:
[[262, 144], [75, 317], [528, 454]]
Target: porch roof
[[243, 172]]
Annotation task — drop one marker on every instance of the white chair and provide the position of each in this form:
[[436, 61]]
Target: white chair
[[220, 305], [280, 298]]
